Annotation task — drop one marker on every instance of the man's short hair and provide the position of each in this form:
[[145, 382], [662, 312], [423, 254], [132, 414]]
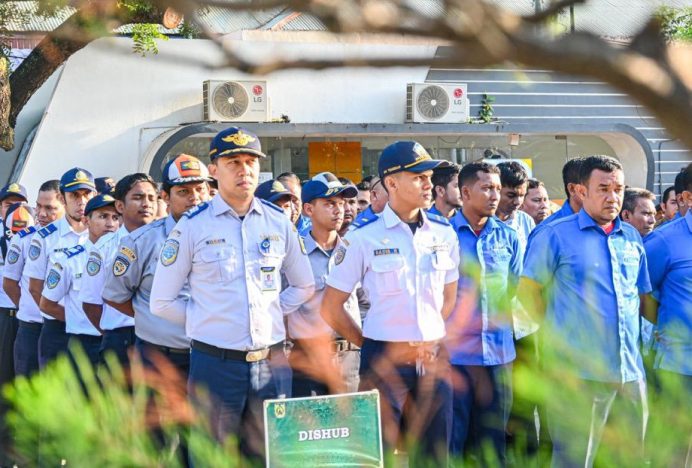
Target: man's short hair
[[598, 162], [632, 196], [469, 172], [286, 176], [570, 173], [678, 183], [666, 194], [534, 184], [363, 186], [443, 175], [687, 178], [512, 174], [124, 185], [52, 185]]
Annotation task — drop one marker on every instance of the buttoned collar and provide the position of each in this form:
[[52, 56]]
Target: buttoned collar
[[64, 227], [311, 244], [567, 208], [586, 221], [688, 219], [459, 221], [219, 206], [391, 219]]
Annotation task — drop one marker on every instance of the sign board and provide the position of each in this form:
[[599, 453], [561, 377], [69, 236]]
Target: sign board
[[334, 430], [527, 163]]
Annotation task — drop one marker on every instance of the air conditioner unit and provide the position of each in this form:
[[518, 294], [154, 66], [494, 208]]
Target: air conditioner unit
[[235, 101], [437, 102]]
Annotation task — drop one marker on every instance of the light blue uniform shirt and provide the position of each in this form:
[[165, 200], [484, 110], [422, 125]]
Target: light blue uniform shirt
[[490, 266], [669, 255], [592, 283], [563, 212], [523, 224]]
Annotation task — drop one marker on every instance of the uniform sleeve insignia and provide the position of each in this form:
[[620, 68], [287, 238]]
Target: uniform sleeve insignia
[[34, 249], [25, 232], [12, 255], [302, 245], [76, 250], [192, 212], [169, 252], [53, 278], [47, 231], [339, 255], [94, 264], [128, 253], [120, 265]]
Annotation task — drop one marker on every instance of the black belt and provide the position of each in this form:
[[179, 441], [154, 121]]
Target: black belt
[[30, 325], [8, 311], [235, 355], [54, 324], [120, 330], [164, 349]]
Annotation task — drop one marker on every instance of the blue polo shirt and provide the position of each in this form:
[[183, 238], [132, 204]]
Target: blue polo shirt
[[670, 268], [592, 281], [482, 334]]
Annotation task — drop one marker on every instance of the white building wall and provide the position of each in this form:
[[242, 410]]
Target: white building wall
[[108, 102]]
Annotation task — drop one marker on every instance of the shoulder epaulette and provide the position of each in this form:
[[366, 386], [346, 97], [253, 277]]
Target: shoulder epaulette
[[271, 205], [47, 231], [26, 231], [76, 250], [142, 230], [438, 219], [192, 212], [364, 221]]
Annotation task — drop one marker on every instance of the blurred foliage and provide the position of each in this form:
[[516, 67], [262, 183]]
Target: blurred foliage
[[676, 23], [144, 37]]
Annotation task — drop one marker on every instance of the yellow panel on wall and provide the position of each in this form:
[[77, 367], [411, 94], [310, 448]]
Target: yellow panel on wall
[[344, 159]]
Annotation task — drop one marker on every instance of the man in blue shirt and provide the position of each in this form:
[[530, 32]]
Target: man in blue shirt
[[586, 273], [445, 192], [480, 334], [670, 269]]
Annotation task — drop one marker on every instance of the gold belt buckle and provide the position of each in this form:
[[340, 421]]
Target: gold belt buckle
[[257, 355]]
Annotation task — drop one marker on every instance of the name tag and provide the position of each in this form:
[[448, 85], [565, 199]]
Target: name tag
[[385, 252]]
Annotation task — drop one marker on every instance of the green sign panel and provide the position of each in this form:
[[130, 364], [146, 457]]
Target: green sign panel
[[335, 430]]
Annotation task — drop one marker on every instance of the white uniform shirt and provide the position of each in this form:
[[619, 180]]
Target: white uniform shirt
[[5, 301], [234, 271], [100, 260], [403, 274], [63, 282], [307, 322], [14, 270], [46, 243], [132, 280]]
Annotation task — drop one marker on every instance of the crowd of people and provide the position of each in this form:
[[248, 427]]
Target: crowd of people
[[426, 281]]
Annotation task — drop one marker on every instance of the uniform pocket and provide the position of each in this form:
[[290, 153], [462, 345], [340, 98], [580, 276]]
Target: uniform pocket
[[220, 262], [389, 273]]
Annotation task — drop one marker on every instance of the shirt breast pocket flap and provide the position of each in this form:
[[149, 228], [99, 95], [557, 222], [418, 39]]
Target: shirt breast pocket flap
[[272, 255], [442, 260], [221, 260], [389, 271]]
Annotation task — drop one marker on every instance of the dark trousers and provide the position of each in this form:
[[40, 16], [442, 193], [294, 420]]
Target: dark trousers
[[91, 345], [482, 402], [26, 348], [345, 364], [237, 390], [148, 351], [8, 332], [425, 391], [118, 341], [52, 342]]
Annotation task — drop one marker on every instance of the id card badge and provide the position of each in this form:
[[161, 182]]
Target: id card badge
[[268, 274]]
